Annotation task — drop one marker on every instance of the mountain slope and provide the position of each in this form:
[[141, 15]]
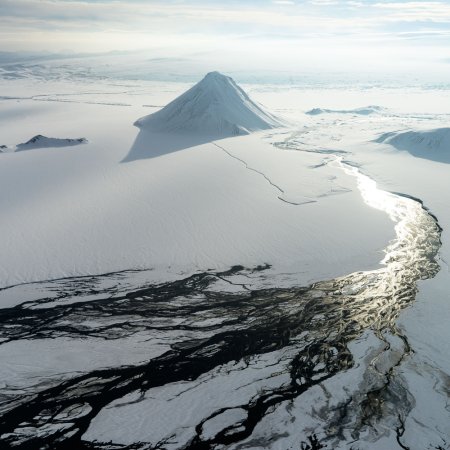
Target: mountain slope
[[428, 144], [40, 141], [214, 106]]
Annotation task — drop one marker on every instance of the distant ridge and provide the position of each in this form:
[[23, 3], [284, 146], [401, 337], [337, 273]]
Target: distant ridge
[[40, 141], [365, 111], [428, 144], [214, 106]]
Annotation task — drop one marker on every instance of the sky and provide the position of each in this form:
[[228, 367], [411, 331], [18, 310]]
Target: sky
[[324, 34]]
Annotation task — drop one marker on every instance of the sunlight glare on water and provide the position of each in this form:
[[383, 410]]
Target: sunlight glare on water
[[408, 258]]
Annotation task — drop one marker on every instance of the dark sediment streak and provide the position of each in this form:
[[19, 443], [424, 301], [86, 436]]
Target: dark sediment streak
[[317, 322]]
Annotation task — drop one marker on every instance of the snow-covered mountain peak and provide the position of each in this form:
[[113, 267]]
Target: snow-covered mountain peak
[[215, 74], [215, 106], [218, 84]]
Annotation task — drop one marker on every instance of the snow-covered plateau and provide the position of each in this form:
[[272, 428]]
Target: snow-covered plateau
[[222, 266]]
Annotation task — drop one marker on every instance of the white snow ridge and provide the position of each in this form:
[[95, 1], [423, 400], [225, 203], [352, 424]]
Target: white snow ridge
[[428, 144], [215, 106], [40, 141], [364, 111]]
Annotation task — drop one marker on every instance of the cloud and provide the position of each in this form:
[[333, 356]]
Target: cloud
[[355, 4], [102, 25], [324, 2], [283, 2], [424, 11]]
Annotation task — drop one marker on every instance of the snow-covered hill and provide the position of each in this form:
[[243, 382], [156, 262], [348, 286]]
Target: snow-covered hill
[[430, 144], [40, 141], [364, 111], [215, 106]]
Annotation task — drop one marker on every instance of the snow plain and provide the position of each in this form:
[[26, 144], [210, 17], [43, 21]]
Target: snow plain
[[135, 199], [132, 199]]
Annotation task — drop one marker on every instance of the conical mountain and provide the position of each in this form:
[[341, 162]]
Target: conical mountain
[[214, 106]]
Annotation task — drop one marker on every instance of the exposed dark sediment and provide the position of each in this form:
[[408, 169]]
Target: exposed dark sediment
[[208, 326]]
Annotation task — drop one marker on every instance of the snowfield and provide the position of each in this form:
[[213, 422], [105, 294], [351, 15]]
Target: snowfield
[[224, 274], [153, 200]]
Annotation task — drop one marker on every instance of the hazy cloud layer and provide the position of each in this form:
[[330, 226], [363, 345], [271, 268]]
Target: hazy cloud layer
[[316, 29]]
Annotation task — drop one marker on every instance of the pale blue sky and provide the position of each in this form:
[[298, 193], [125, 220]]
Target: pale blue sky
[[318, 30]]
